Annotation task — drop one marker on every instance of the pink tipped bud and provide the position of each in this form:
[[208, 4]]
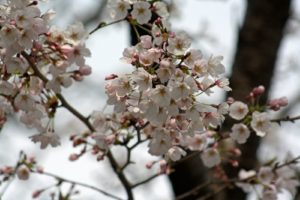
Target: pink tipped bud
[[236, 151], [100, 157], [234, 163], [171, 34], [230, 100], [111, 77], [67, 49], [85, 70], [276, 104], [40, 169], [37, 46], [158, 21], [149, 165], [32, 159], [157, 34], [37, 193], [73, 157], [258, 90], [6, 170]]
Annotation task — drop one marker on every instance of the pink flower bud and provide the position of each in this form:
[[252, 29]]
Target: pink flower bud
[[37, 193], [158, 21], [40, 169], [85, 70], [171, 34], [100, 157], [258, 90], [230, 100], [67, 49], [236, 151], [234, 163], [111, 77], [37, 46], [149, 165], [73, 157]]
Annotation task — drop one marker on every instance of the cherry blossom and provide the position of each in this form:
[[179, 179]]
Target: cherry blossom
[[118, 9], [260, 123], [238, 110], [47, 138], [211, 157], [23, 173], [141, 12]]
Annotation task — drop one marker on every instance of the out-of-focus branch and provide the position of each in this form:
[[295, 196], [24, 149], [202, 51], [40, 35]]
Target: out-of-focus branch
[[286, 119], [96, 15]]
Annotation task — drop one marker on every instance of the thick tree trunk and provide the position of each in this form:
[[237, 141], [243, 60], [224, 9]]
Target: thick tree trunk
[[258, 43]]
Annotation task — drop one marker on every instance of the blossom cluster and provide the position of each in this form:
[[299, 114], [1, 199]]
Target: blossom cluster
[[160, 101], [271, 179], [36, 61], [140, 11], [163, 92]]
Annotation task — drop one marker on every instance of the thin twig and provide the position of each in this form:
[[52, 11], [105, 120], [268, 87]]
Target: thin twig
[[104, 24], [146, 180], [286, 119], [59, 178]]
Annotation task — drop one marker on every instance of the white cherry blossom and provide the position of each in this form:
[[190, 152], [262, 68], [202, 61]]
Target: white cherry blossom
[[47, 138], [215, 67], [179, 44], [161, 9], [240, 133], [211, 157], [160, 143], [160, 95], [24, 102], [118, 9], [175, 153], [197, 142], [141, 12], [238, 110], [260, 123]]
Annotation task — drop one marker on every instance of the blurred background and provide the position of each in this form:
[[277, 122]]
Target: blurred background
[[259, 40]]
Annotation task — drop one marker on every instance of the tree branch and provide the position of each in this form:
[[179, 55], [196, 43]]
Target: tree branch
[[80, 184]]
